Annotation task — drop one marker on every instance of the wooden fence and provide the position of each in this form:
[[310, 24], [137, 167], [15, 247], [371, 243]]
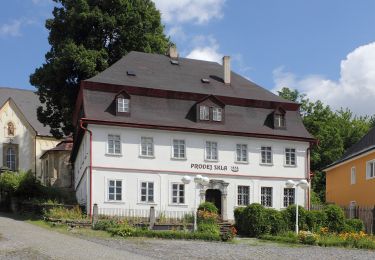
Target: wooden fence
[[366, 214]]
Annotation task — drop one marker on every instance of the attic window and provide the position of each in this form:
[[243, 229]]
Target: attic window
[[279, 120], [174, 62], [122, 105], [130, 73], [205, 80]]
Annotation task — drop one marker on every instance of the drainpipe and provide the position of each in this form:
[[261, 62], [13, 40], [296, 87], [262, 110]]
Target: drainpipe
[[308, 151], [90, 166]]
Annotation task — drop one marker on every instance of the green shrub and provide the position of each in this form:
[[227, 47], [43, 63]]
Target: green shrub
[[335, 218], [290, 217], [123, 230], [307, 238], [105, 224], [64, 213], [255, 220], [209, 228], [315, 219], [276, 221], [169, 234], [353, 225], [288, 237], [208, 206], [240, 222]]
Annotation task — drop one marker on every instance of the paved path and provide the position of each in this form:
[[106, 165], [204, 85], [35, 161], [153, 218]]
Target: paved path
[[26, 241], [21, 240]]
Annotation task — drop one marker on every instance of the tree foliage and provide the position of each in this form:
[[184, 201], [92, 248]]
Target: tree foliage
[[335, 131], [87, 36]]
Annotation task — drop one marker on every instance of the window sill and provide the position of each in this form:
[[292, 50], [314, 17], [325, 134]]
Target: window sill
[[209, 160], [178, 205], [147, 156], [178, 159], [147, 203], [370, 178], [290, 166], [266, 164], [241, 162], [113, 154], [114, 202]]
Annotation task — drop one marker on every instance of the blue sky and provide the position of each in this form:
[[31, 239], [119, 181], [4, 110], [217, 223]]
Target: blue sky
[[323, 48]]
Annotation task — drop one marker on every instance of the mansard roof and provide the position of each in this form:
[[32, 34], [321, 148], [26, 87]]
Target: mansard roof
[[27, 102], [155, 71], [162, 94]]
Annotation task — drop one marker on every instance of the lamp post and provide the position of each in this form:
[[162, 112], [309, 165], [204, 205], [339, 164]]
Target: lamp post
[[200, 182], [291, 184]]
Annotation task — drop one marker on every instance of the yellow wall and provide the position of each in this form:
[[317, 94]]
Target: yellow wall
[[340, 191]]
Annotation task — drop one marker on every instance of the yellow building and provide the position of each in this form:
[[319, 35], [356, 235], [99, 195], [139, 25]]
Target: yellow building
[[351, 180]]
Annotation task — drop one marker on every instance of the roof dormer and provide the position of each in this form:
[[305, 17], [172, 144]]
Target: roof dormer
[[122, 101], [279, 121], [210, 109]]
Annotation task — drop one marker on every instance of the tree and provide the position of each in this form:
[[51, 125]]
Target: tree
[[87, 36], [336, 131]]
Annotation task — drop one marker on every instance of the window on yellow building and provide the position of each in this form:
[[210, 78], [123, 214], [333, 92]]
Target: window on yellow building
[[370, 169], [353, 176]]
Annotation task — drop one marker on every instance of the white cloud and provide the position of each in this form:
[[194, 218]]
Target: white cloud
[[11, 29], [206, 48], [176, 32], [354, 89], [196, 11]]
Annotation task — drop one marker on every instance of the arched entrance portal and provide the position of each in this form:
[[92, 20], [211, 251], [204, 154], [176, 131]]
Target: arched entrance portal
[[214, 196]]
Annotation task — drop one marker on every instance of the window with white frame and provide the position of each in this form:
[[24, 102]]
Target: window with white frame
[[241, 152], [353, 176], [178, 193], [211, 151], [147, 146], [115, 190], [217, 113], [279, 120], [179, 149], [122, 105], [290, 156], [147, 192], [114, 144], [266, 196], [289, 195], [266, 154], [204, 113], [370, 169], [243, 195]]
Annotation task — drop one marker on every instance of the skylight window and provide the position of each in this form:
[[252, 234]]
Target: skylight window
[[205, 80], [130, 73], [174, 62]]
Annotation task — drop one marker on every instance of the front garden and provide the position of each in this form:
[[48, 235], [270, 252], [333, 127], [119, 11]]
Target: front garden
[[327, 227]]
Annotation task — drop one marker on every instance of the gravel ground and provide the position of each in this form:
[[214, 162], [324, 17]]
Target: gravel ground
[[21, 240], [25, 241]]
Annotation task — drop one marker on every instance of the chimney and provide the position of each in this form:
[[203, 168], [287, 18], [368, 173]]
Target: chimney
[[226, 66], [173, 54]]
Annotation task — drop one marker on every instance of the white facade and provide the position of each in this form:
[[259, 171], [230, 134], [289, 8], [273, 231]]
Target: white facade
[[130, 168], [27, 145]]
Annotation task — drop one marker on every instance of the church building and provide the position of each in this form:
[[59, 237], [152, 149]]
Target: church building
[[150, 122]]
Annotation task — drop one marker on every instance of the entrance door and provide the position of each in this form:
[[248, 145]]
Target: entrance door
[[214, 196]]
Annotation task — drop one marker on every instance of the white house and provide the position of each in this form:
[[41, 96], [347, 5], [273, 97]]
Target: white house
[[23, 138], [148, 120]]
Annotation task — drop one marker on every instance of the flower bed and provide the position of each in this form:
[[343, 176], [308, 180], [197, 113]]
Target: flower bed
[[326, 239]]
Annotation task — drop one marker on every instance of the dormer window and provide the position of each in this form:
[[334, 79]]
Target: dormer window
[[216, 114], [204, 112], [122, 105], [279, 121]]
